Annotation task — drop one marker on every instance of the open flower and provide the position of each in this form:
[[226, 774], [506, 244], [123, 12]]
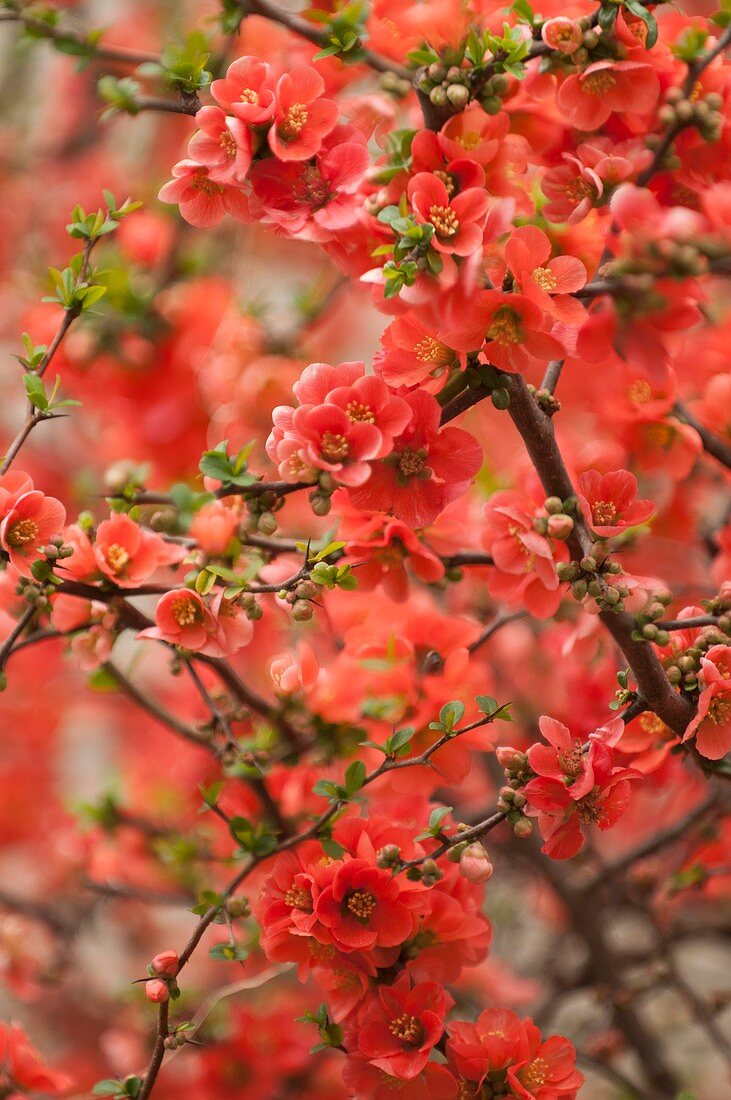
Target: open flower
[[203, 199], [511, 328], [128, 554], [222, 144], [609, 502], [362, 908], [401, 1025], [182, 619], [32, 520], [547, 282], [588, 98], [458, 222], [247, 90], [428, 468], [302, 119], [332, 441]]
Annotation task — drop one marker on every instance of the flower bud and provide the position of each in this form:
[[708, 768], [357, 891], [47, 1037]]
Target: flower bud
[[560, 527], [388, 856], [165, 965], [553, 505], [509, 758], [267, 523], [474, 864], [302, 611], [157, 991], [458, 96], [523, 828]]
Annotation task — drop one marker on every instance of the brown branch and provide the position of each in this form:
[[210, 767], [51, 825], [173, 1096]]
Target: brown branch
[[316, 35], [712, 444], [41, 29]]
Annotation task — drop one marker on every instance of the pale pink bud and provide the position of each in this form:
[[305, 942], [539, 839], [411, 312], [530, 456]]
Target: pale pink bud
[[165, 965], [560, 527], [562, 34], [474, 864], [508, 757], [156, 991]]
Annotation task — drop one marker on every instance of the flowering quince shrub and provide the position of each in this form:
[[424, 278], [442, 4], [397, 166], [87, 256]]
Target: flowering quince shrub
[[382, 703]]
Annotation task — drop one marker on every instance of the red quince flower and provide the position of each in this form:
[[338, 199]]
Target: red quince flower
[[549, 1071], [203, 200], [302, 119], [428, 468], [413, 355], [510, 328], [561, 812], [315, 200], [331, 441], [247, 90], [493, 1042], [363, 908], [401, 1024], [366, 1082], [549, 283], [524, 560], [609, 502], [31, 521], [222, 144], [711, 725], [564, 757], [588, 98], [127, 554], [182, 619], [458, 222]]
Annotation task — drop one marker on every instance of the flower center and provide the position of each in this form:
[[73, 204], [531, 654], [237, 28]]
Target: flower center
[[22, 532], [429, 350], [446, 180], [572, 760], [294, 121], [202, 183], [588, 810], [248, 95], [598, 83], [298, 898], [579, 189], [534, 1076], [719, 711], [361, 904], [444, 220], [117, 557], [185, 610], [655, 727], [661, 435], [470, 140], [603, 512], [411, 462], [228, 143], [407, 1029], [504, 327], [360, 413], [545, 279], [334, 447], [640, 392]]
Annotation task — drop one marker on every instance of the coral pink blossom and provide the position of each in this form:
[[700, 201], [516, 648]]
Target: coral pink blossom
[[413, 355], [32, 520], [609, 502], [588, 98], [293, 672], [203, 200], [332, 441], [524, 560], [363, 908], [182, 619], [222, 144], [458, 222], [512, 328], [314, 201], [562, 34], [428, 468], [302, 119], [13, 485], [128, 554], [401, 1025], [711, 726], [247, 90], [367, 1082], [549, 283], [369, 400]]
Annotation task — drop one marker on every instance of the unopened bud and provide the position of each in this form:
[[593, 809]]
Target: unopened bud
[[157, 991], [474, 864]]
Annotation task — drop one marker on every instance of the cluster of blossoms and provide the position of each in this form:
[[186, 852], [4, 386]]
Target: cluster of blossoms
[[382, 945], [271, 151], [387, 450], [538, 208]]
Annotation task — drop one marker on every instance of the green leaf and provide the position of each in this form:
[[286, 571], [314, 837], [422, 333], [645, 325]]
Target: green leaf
[[638, 9], [36, 391], [451, 713], [486, 704], [228, 952], [355, 777]]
